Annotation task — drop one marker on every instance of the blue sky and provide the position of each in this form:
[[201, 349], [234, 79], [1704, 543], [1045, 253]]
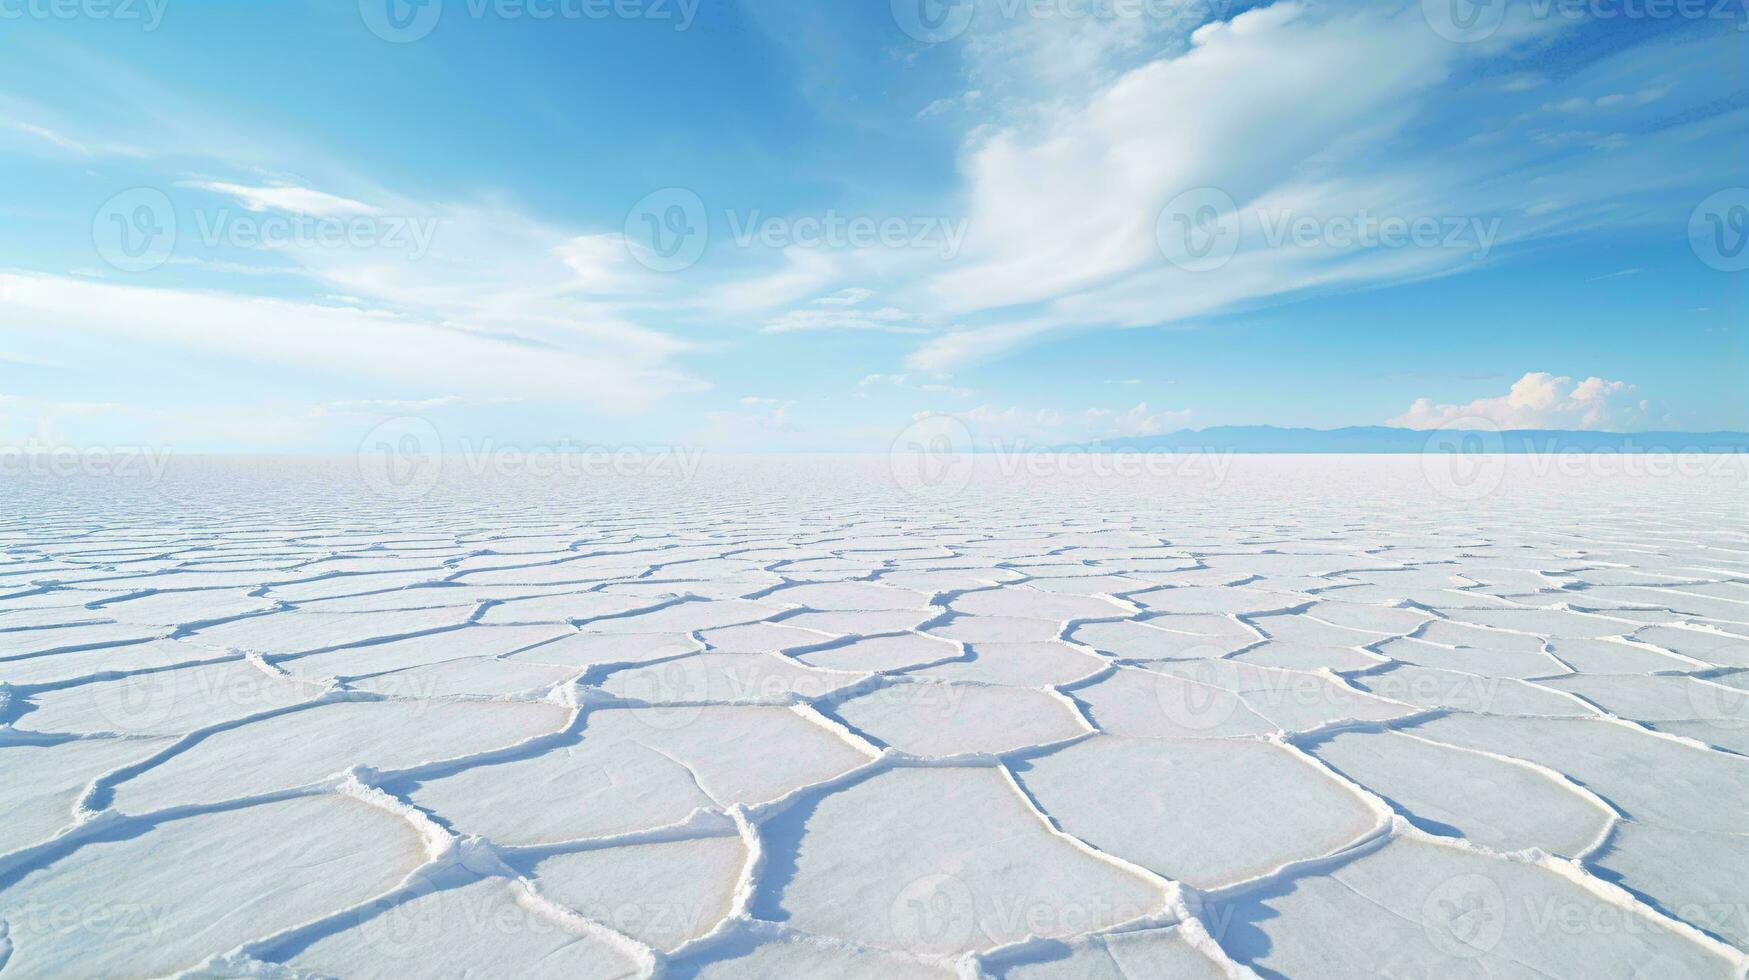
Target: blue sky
[[796, 225]]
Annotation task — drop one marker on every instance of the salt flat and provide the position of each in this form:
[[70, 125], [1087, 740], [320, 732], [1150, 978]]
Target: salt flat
[[886, 717]]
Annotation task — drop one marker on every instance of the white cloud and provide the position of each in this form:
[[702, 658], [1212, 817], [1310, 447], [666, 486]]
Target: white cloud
[[1580, 103], [297, 200], [762, 416], [938, 386], [1046, 427], [60, 139], [605, 264], [51, 136], [1543, 401], [1071, 200], [845, 297], [621, 376], [805, 272], [1064, 192], [888, 319]]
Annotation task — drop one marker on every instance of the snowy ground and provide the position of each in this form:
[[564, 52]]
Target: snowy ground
[[1290, 716]]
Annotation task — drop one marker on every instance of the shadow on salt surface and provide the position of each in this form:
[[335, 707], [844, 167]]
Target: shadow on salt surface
[[1237, 926], [782, 837], [1407, 907]]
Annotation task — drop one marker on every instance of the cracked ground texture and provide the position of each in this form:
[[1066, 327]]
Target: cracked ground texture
[[1285, 716]]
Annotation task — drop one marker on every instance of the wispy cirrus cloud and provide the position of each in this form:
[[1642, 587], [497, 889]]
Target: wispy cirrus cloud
[[298, 200], [1066, 191]]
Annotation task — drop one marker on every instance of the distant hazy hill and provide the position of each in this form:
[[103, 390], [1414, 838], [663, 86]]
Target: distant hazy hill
[[1384, 439]]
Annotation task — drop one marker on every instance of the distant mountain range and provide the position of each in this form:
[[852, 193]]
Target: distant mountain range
[[1385, 439]]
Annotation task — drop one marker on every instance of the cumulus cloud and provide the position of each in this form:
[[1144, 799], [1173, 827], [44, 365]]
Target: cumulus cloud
[[1540, 400]]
